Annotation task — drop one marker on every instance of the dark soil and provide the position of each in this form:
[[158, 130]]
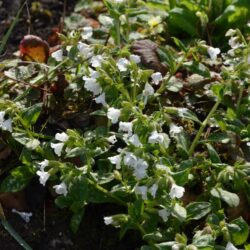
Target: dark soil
[[49, 226]]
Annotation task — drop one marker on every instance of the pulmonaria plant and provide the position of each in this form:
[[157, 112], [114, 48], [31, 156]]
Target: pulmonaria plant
[[147, 144]]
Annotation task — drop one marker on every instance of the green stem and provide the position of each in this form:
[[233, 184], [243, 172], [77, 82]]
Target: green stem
[[202, 127], [14, 234], [239, 99], [118, 32], [164, 84], [107, 193]]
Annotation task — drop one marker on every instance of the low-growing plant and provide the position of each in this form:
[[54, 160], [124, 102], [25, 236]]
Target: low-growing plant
[[96, 126]]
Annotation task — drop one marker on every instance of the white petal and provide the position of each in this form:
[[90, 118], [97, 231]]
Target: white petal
[[33, 144], [122, 64], [135, 58], [148, 90], [101, 99], [108, 220], [87, 32], [43, 164], [176, 191], [116, 160], [25, 216], [92, 85], [157, 77], [126, 127], [61, 189], [141, 190], [43, 176], [84, 49], [2, 114], [7, 125], [134, 139], [153, 189], [62, 137], [164, 214], [113, 114], [213, 52], [96, 61], [112, 139], [230, 246], [58, 55], [57, 148]]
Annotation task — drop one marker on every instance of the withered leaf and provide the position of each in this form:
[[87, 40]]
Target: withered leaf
[[35, 49], [147, 50]]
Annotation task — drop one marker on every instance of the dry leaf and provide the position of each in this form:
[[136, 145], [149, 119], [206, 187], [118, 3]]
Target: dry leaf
[[33, 48], [147, 50]]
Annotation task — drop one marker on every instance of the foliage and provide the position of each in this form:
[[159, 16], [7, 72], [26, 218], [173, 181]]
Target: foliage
[[97, 126]]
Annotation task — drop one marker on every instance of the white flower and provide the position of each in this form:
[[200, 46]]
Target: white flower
[[108, 220], [130, 159], [176, 191], [148, 90], [157, 77], [126, 127], [234, 42], [141, 190], [106, 20], [43, 164], [61, 189], [92, 85], [2, 114], [135, 58], [43, 176], [140, 169], [96, 61], [230, 246], [58, 55], [213, 53], [134, 139], [101, 99], [164, 214], [113, 114], [116, 160], [87, 32], [57, 148], [112, 139], [248, 144], [33, 144], [155, 137], [25, 216], [122, 64], [84, 49], [153, 189], [63, 137], [174, 130], [5, 124], [154, 21]]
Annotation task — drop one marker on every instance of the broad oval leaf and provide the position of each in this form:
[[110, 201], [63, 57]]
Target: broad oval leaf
[[197, 210]]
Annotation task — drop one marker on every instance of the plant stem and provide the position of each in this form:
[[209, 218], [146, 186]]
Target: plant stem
[[118, 32], [106, 192], [202, 127]]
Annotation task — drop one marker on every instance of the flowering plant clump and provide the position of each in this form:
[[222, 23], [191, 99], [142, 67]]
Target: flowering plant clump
[[96, 124]]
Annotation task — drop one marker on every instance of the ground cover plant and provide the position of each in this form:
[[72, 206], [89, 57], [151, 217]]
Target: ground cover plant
[[138, 105]]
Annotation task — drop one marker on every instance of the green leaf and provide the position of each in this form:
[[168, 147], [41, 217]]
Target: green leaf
[[179, 212], [239, 231], [204, 241], [17, 180], [197, 210], [230, 198], [182, 20], [219, 137], [214, 157], [76, 220], [31, 114], [181, 177], [14, 234], [197, 67]]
